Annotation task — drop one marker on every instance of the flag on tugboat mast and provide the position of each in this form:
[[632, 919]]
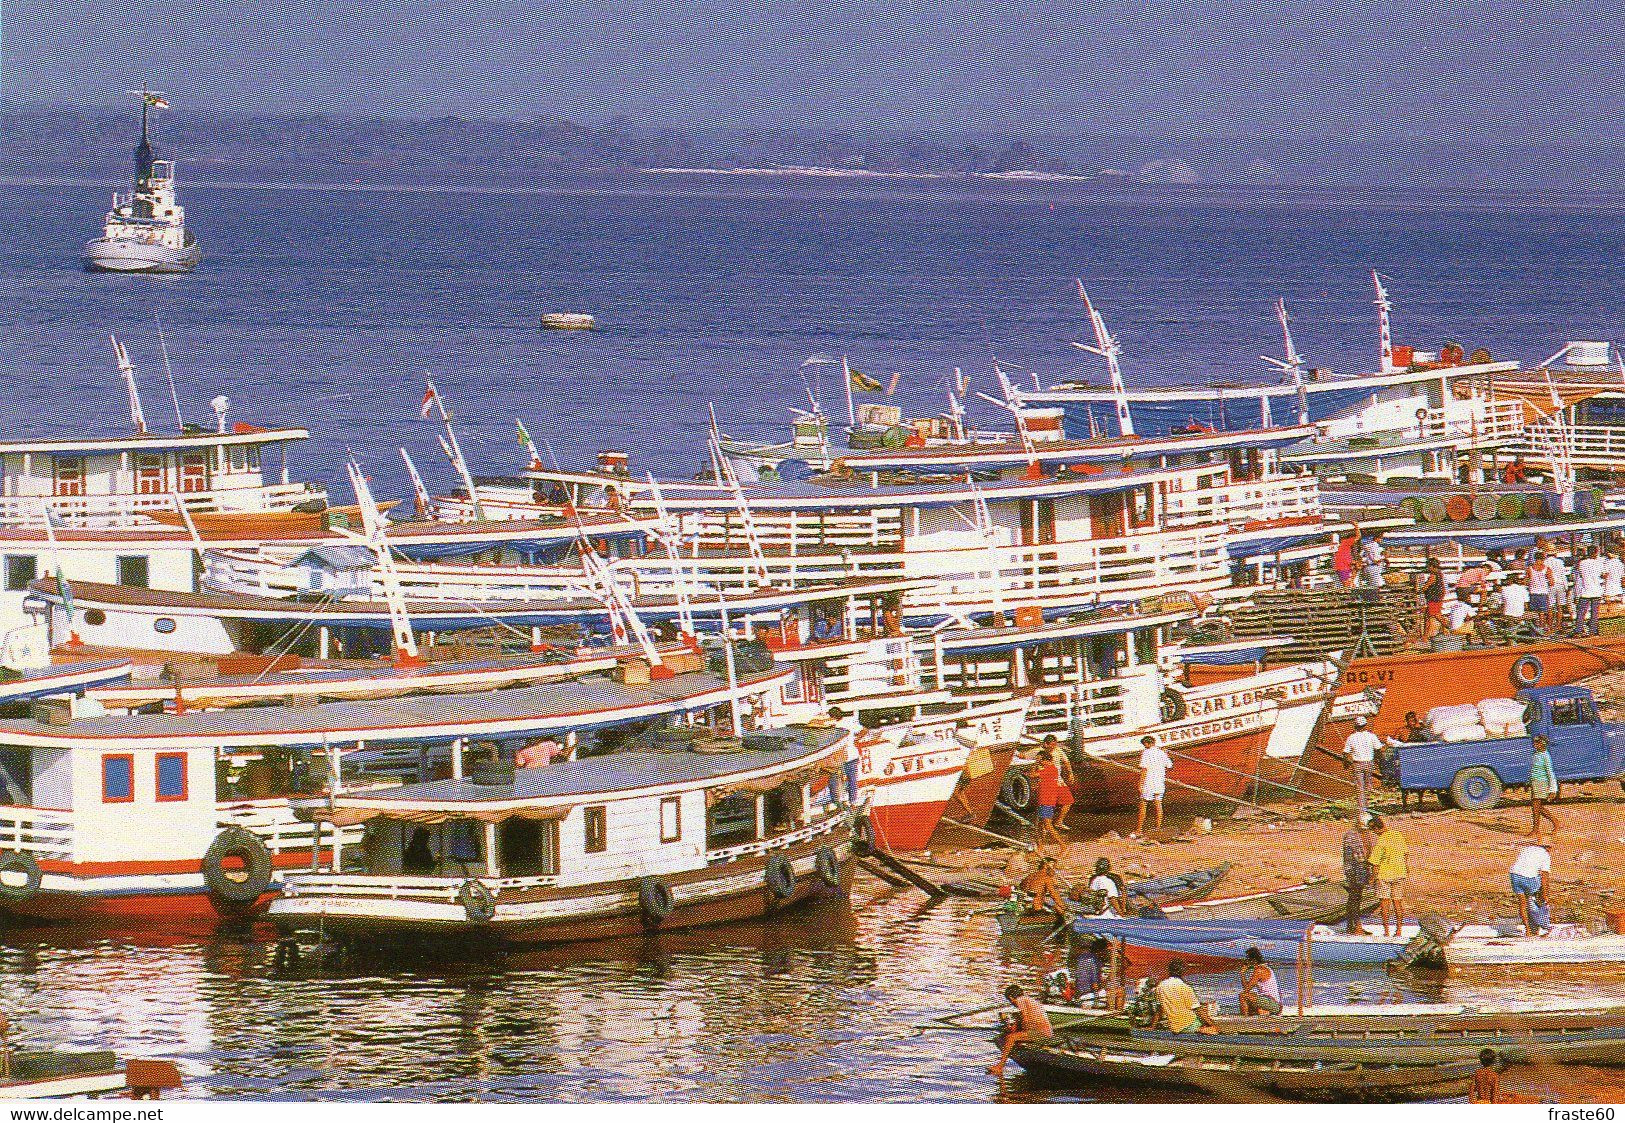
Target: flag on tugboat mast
[[863, 382]]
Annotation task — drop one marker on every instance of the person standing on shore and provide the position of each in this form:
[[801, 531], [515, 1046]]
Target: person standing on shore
[[1154, 766], [1530, 872], [1356, 870], [1542, 786], [1361, 749], [1590, 585], [1389, 865], [1049, 798], [1063, 791]]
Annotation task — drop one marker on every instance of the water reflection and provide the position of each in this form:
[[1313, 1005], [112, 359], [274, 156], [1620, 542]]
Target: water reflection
[[821, 1005]]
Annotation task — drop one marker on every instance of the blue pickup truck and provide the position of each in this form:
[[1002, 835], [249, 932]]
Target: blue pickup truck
[[1474, 774]]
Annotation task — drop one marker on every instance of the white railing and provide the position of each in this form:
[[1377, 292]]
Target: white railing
[[37, 831], [273, 821], [424, 889], [1238, 504], [1594, 446], [819, 829], [128, 510], [1483, 422]]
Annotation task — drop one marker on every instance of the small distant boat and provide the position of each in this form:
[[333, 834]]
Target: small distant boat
[[568, 321], [145, 231]]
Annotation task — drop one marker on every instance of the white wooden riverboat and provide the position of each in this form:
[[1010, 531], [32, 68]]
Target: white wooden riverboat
[[683, 834], [181, 816]]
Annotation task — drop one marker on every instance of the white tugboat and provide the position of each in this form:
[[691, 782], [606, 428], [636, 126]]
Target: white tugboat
[[146, 230]]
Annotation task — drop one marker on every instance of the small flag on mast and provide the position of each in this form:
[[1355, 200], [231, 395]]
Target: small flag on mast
[[431, 400], [861, 381], [528, 445], [156, 101]]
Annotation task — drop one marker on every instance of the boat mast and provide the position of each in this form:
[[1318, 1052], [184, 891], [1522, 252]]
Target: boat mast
[[127, 371], [452, 449], [1385, 339], [1292, 367], [405, 652], [1108, 348], [420, 494], [670, 538], [730, 480]]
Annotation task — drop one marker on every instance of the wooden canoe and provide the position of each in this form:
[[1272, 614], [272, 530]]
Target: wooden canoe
[[264, 524]]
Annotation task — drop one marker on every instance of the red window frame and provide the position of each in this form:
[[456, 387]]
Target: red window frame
[[127, 758], [158, 774]]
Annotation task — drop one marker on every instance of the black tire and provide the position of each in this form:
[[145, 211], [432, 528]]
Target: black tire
[[24, 864], [781, 877], [479, 903], [1527, 670], [1172, 705], [655, 902], [828, 867], [863, 837], [1476, 789], [1016, 792], [227, 888], [1446, 802]]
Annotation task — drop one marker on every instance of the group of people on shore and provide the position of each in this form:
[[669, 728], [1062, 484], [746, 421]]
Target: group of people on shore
[[1535, 585], [1054, 780]]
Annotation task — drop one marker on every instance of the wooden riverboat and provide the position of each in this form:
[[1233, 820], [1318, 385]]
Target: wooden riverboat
[[1148, 894], [52, 1074], [1227, 1076], [619, 845]]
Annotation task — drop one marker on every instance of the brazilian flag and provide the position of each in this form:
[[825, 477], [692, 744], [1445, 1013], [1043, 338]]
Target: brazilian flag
[[863, 382]]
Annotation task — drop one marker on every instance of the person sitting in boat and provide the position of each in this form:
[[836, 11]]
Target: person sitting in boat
[[1091, 967], [1260, 993], [1041, 888], [418, 857], [1028, 1023], [1178, 1008], [1108, 889]]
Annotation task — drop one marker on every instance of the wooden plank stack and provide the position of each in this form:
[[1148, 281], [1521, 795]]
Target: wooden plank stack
[[1321, 621]]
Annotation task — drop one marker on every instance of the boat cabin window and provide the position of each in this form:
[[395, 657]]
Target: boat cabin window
[[21, 570], [529, 847], [1141, 509], [70, 475], [149, 474], [781, 808], [1572, 711], [1145, 646], [16, 778], [671, 819], [118, 778], [194, 471], [730, 821], [169, 778], [595, 827], [134, 571]]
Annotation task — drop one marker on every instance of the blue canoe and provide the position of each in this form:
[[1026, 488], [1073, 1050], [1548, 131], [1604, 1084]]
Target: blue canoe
[[1277, 940]]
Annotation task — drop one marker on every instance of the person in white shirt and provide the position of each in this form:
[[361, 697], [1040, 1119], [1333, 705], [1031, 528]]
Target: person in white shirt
[[1530, 873], [1562, 587], [1590, 583], [1514, 598], [1373, 559], [1109, 886], [1154, 766], [1458, 615], [1613, 576], [1361, 749]]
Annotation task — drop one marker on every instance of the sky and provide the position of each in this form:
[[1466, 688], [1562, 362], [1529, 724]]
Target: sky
[[1207, 68]]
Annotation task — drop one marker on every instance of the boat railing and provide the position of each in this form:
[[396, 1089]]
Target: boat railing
[[43, 833], [1483, 422], [1060, 709], [275, 824], [127, 510], [422, 888], [1278, 499], [777, 842], [1601, 446]]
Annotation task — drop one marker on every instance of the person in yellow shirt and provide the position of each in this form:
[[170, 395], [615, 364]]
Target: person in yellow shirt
[[1178, 1008], [1389, 870]]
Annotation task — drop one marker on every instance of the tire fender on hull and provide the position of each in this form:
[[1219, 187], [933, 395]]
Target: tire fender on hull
[[17, 865], [655, 902], [781, 877], [232, 891]]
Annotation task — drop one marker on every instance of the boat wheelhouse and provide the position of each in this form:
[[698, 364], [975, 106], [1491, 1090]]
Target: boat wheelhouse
[[681, 834], [186, 815], [145, 231]]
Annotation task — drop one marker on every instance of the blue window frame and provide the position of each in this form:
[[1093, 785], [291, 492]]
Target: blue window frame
[[118, 778], [171, 776]]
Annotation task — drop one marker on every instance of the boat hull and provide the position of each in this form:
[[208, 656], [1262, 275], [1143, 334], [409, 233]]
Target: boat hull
[[599, 912], [123, 255], [973, 800]]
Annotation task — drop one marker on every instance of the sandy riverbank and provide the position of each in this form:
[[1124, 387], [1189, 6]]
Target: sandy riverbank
[[1458, 868]]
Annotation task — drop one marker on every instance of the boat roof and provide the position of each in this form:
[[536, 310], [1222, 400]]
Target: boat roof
[[1093, 450], [609, 774], [1213, 392], [151, 442], [588, 703], [248, 606]]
